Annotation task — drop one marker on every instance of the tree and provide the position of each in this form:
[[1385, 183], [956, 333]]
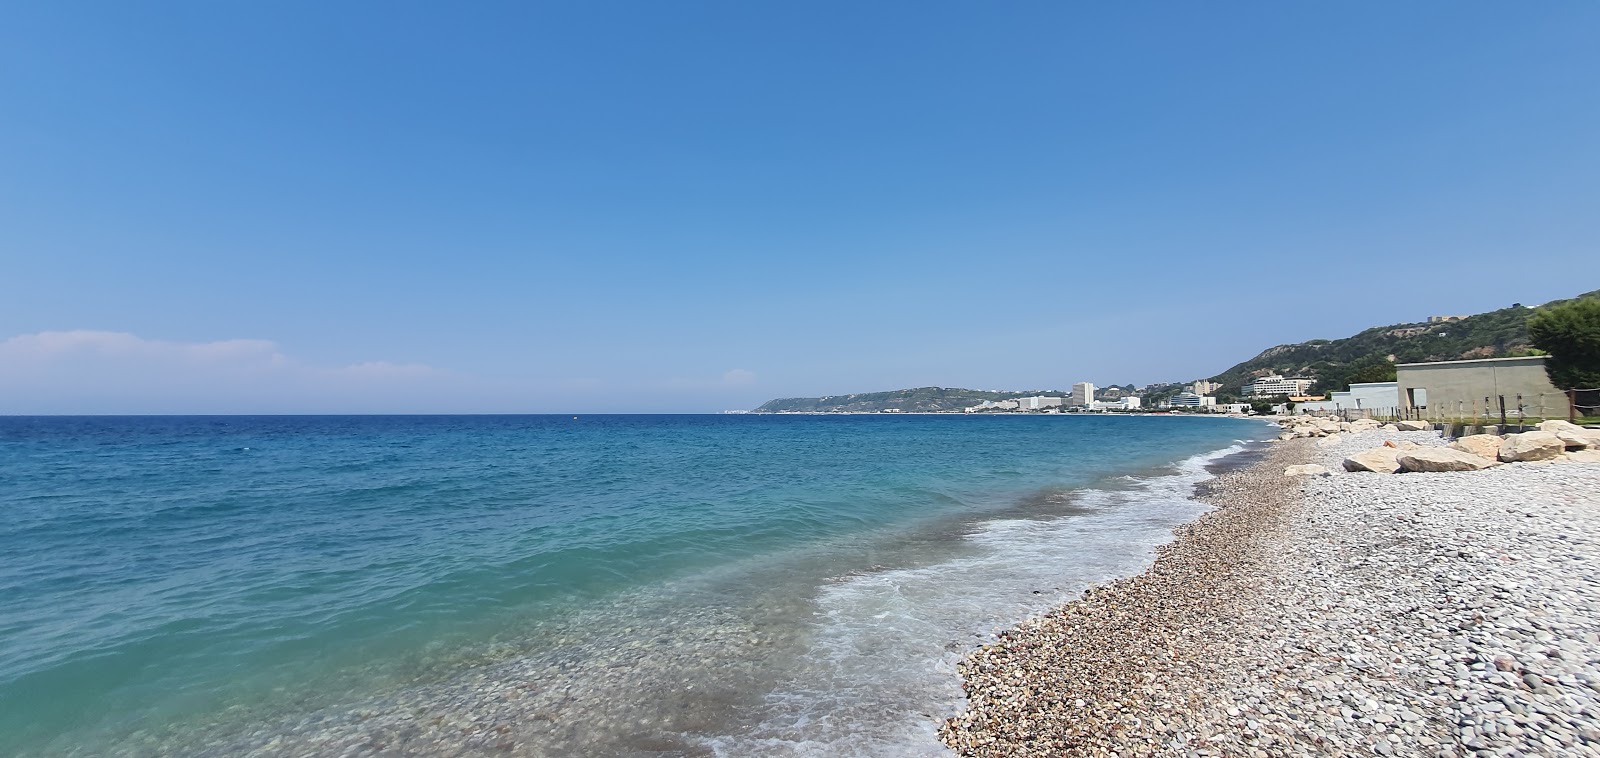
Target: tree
[[1570, 333]]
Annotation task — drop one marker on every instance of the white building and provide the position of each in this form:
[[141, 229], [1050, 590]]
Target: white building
[[1130, 402], [1191, 400], [1272, 385], [1038, 403], [1204, 387], [1377, 397], [1082, 394]]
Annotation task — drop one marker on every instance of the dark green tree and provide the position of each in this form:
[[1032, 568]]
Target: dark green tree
[[1570, 333]]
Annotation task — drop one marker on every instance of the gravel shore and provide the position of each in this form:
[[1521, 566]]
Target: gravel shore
[[1355, 614]]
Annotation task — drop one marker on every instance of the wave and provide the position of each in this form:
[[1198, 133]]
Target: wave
[[879, 671]]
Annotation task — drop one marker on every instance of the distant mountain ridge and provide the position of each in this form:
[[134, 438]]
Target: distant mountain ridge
[[916, 400]]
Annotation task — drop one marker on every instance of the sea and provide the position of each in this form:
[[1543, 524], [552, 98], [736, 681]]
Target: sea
[[695, 585]]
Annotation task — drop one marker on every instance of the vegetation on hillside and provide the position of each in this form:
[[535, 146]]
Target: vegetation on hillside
[[1370, 356], [1567, 329], [917, 400]]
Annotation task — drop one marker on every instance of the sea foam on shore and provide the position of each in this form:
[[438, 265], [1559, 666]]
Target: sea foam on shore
[[1419, 614]]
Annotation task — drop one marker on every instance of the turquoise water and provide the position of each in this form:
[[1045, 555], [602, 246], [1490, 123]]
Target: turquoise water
[[547, 584]]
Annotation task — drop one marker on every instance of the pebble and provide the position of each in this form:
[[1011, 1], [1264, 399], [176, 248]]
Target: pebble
[[1415, 614]]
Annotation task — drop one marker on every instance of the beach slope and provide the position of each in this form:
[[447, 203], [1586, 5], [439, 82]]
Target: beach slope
[[1356, 613]]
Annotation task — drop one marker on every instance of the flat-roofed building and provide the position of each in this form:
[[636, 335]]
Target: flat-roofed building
[[1374, 397], [1273, 385], [1476, 388], [1037, 403], [1083, 394]]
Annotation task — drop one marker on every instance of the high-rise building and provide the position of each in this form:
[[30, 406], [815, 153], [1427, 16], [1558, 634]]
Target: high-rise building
[[1203, 387], [1082, 394]]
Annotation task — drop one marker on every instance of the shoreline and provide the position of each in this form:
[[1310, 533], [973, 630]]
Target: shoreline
[[652, 675], [1416, 614]]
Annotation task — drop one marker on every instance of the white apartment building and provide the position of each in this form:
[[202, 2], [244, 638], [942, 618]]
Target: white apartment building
[[1204, 387], [1273, 384], [1130, 402], [1083, 394], [1191, 400], [1039, 402]]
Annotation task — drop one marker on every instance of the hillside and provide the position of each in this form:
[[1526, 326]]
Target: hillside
[[1367, 356], [918, 400]]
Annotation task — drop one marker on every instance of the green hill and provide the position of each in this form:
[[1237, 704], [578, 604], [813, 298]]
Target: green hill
[[1370, 355], [918, 400]]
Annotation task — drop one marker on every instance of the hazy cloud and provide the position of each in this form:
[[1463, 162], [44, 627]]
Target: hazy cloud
[[738, 377], [86, 371]]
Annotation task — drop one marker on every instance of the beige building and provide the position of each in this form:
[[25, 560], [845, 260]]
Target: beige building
[[1474, 389]]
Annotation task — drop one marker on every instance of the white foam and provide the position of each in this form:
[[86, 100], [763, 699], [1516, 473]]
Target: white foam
[[880, 669]]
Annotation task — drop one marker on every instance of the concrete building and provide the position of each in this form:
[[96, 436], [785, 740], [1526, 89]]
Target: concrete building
[[1038, 403], [1130, 402], [1382, 398], [1082, 394], [1191, 400], [1475, 389], [1204, 387], [1273, 385]]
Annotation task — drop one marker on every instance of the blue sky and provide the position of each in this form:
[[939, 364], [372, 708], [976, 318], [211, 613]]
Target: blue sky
[[640, 207]]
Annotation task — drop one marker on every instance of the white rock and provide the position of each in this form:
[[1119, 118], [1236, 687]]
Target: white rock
[[1383, 460], [1307, 469], [1557, 425], [1442, 459], [1531, 446], [1413, 426], [1580, 439], [1581, 456], [1332, 439], [1486, 445]]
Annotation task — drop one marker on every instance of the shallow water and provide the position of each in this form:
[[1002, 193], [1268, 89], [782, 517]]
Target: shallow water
[[733, 585]]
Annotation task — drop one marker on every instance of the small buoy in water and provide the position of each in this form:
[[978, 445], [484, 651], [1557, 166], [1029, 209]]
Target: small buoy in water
[[574, 418]]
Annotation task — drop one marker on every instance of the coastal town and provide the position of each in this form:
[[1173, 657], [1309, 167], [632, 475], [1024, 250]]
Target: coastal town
[[1464, 369]]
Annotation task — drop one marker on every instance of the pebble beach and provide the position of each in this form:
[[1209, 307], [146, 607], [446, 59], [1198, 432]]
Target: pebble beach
[[1430, 614]]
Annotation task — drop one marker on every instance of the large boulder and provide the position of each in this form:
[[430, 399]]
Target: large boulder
[[1383, 460], [1486, 445], [1531, 446], [1575, 437], [1582, 456], [1557, 425], [1307, 469], [1580, 439], [1332, 439], [1442, 459], [1413, 426]]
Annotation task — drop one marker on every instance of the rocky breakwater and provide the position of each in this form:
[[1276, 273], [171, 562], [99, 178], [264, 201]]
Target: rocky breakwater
[[1553, 441], [1447, 613]]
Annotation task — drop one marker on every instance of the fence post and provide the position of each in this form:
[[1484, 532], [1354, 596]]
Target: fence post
[[1572, 406], [1502, 409]]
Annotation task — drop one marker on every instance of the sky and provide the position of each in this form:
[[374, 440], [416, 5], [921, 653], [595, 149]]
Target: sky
[[407, 207]]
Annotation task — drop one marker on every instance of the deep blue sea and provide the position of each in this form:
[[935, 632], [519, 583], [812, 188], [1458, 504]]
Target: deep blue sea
[[549, 585]]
